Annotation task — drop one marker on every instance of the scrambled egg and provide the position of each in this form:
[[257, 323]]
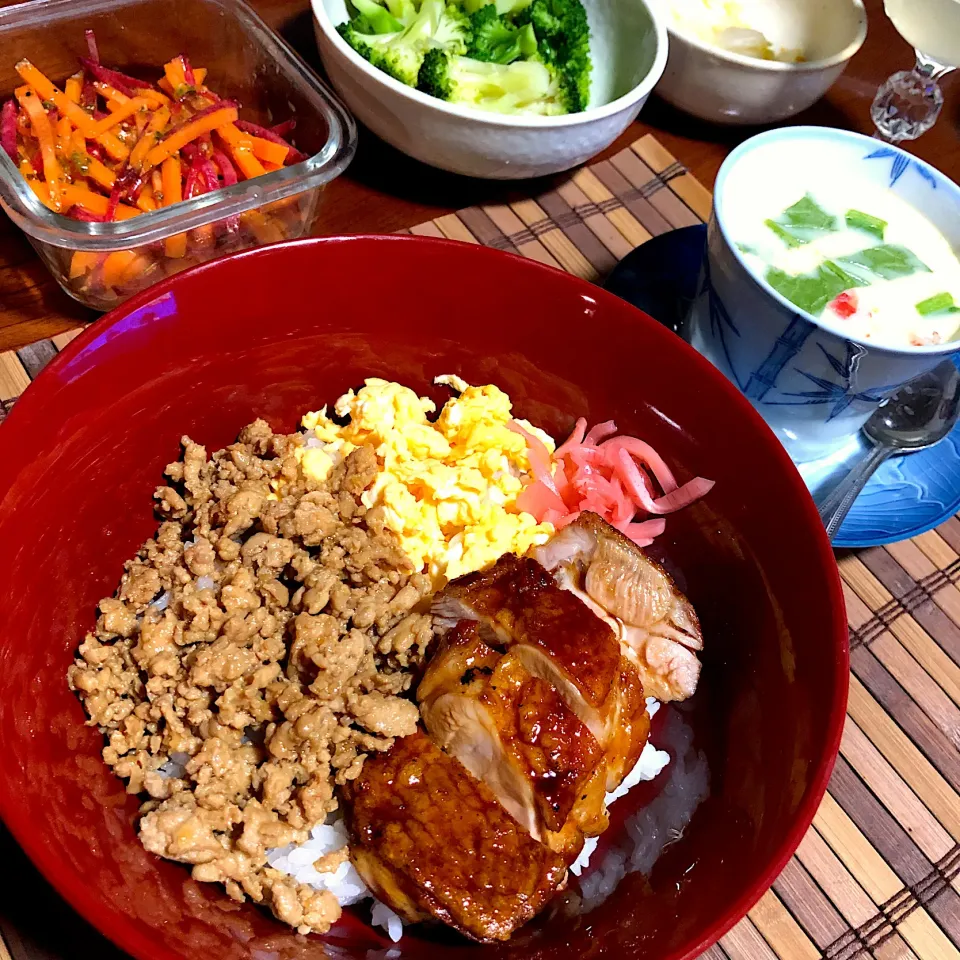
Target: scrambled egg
[[448, 488]]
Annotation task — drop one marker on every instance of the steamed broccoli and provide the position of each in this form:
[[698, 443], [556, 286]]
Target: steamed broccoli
[[563, 42], [496, 40], [373, 18], [505, 8], [403, 10], [512, 56], [401, 52], [524, 86]]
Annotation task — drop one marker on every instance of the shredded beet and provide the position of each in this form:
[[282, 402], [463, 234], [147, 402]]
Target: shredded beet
[[209, 174], [229, 173], [92, 45], [284, 129], [112, 203], [88, 94], [227, 170], [188, 73], [125, 84], [88, 216], [8, 129], [623, 479]]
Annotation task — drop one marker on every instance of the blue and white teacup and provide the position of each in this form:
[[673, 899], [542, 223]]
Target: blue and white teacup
[[814, 386]]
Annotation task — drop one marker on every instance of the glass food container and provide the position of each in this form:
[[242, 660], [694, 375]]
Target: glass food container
[[245, 62]]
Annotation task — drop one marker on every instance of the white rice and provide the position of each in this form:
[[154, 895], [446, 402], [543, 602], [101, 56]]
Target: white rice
[[162, 602], [176, 766], [347, 886]]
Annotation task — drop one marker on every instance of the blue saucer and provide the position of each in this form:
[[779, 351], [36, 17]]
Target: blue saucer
[[907, 496]]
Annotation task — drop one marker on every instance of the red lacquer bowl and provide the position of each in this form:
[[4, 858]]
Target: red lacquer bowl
[[285, 329]]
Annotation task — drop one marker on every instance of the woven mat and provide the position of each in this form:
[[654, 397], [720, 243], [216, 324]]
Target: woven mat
[[878, 875]]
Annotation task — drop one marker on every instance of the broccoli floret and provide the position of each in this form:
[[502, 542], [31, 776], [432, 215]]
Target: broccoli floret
[[371, 17], [522, 87], [404, 10], [384, 51], [401, 52], [505, 8], [497, 41], [563, 42], [451, 30]]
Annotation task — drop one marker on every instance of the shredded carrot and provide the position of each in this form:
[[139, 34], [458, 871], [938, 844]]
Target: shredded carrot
[[176, 77], [199, 74], [146, 201], [188, 132], [89, 166], [98, 172], [128, 109], [134, 268], [150, 137], [82, 262], [75, 195], [64, 136], [269, 152], [78, 116], [240, 146], [266, 231], [111, 93], [116, 265], [40, 124], [42, 190], [172, 174], [152, 97], [73, 88]]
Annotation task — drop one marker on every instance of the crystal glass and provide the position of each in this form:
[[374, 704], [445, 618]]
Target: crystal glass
[[908, 103]]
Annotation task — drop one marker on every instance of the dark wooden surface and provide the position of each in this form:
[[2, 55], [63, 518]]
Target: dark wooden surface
[[384, 191]]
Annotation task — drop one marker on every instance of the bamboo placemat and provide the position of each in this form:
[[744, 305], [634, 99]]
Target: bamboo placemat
[[878, 875]]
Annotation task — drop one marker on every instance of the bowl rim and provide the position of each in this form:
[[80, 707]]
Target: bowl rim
[[486, 118], [70, 884], [813, 133], [779, 66]]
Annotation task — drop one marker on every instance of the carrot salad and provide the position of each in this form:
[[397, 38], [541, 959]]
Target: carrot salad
[[107, 146]]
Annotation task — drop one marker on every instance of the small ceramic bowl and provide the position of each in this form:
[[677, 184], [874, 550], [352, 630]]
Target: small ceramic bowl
[[814, 386], [730, 88], [628, 50]]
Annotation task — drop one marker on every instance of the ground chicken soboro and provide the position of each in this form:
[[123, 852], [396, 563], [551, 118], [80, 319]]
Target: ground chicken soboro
[[264, 638]]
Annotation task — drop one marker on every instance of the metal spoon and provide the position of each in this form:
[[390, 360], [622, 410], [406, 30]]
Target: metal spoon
[[918, 415]]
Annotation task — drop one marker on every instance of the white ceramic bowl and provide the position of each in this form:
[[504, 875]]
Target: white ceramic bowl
[[731, 88], [813, 382], [628, 50]]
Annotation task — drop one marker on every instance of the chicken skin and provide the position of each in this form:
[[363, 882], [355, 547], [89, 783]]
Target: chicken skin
[[555, 636], [433, 842], [513, 731], [654, 621]]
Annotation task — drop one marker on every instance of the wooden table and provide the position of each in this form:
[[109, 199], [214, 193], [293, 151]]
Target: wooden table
[[384, 191]]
